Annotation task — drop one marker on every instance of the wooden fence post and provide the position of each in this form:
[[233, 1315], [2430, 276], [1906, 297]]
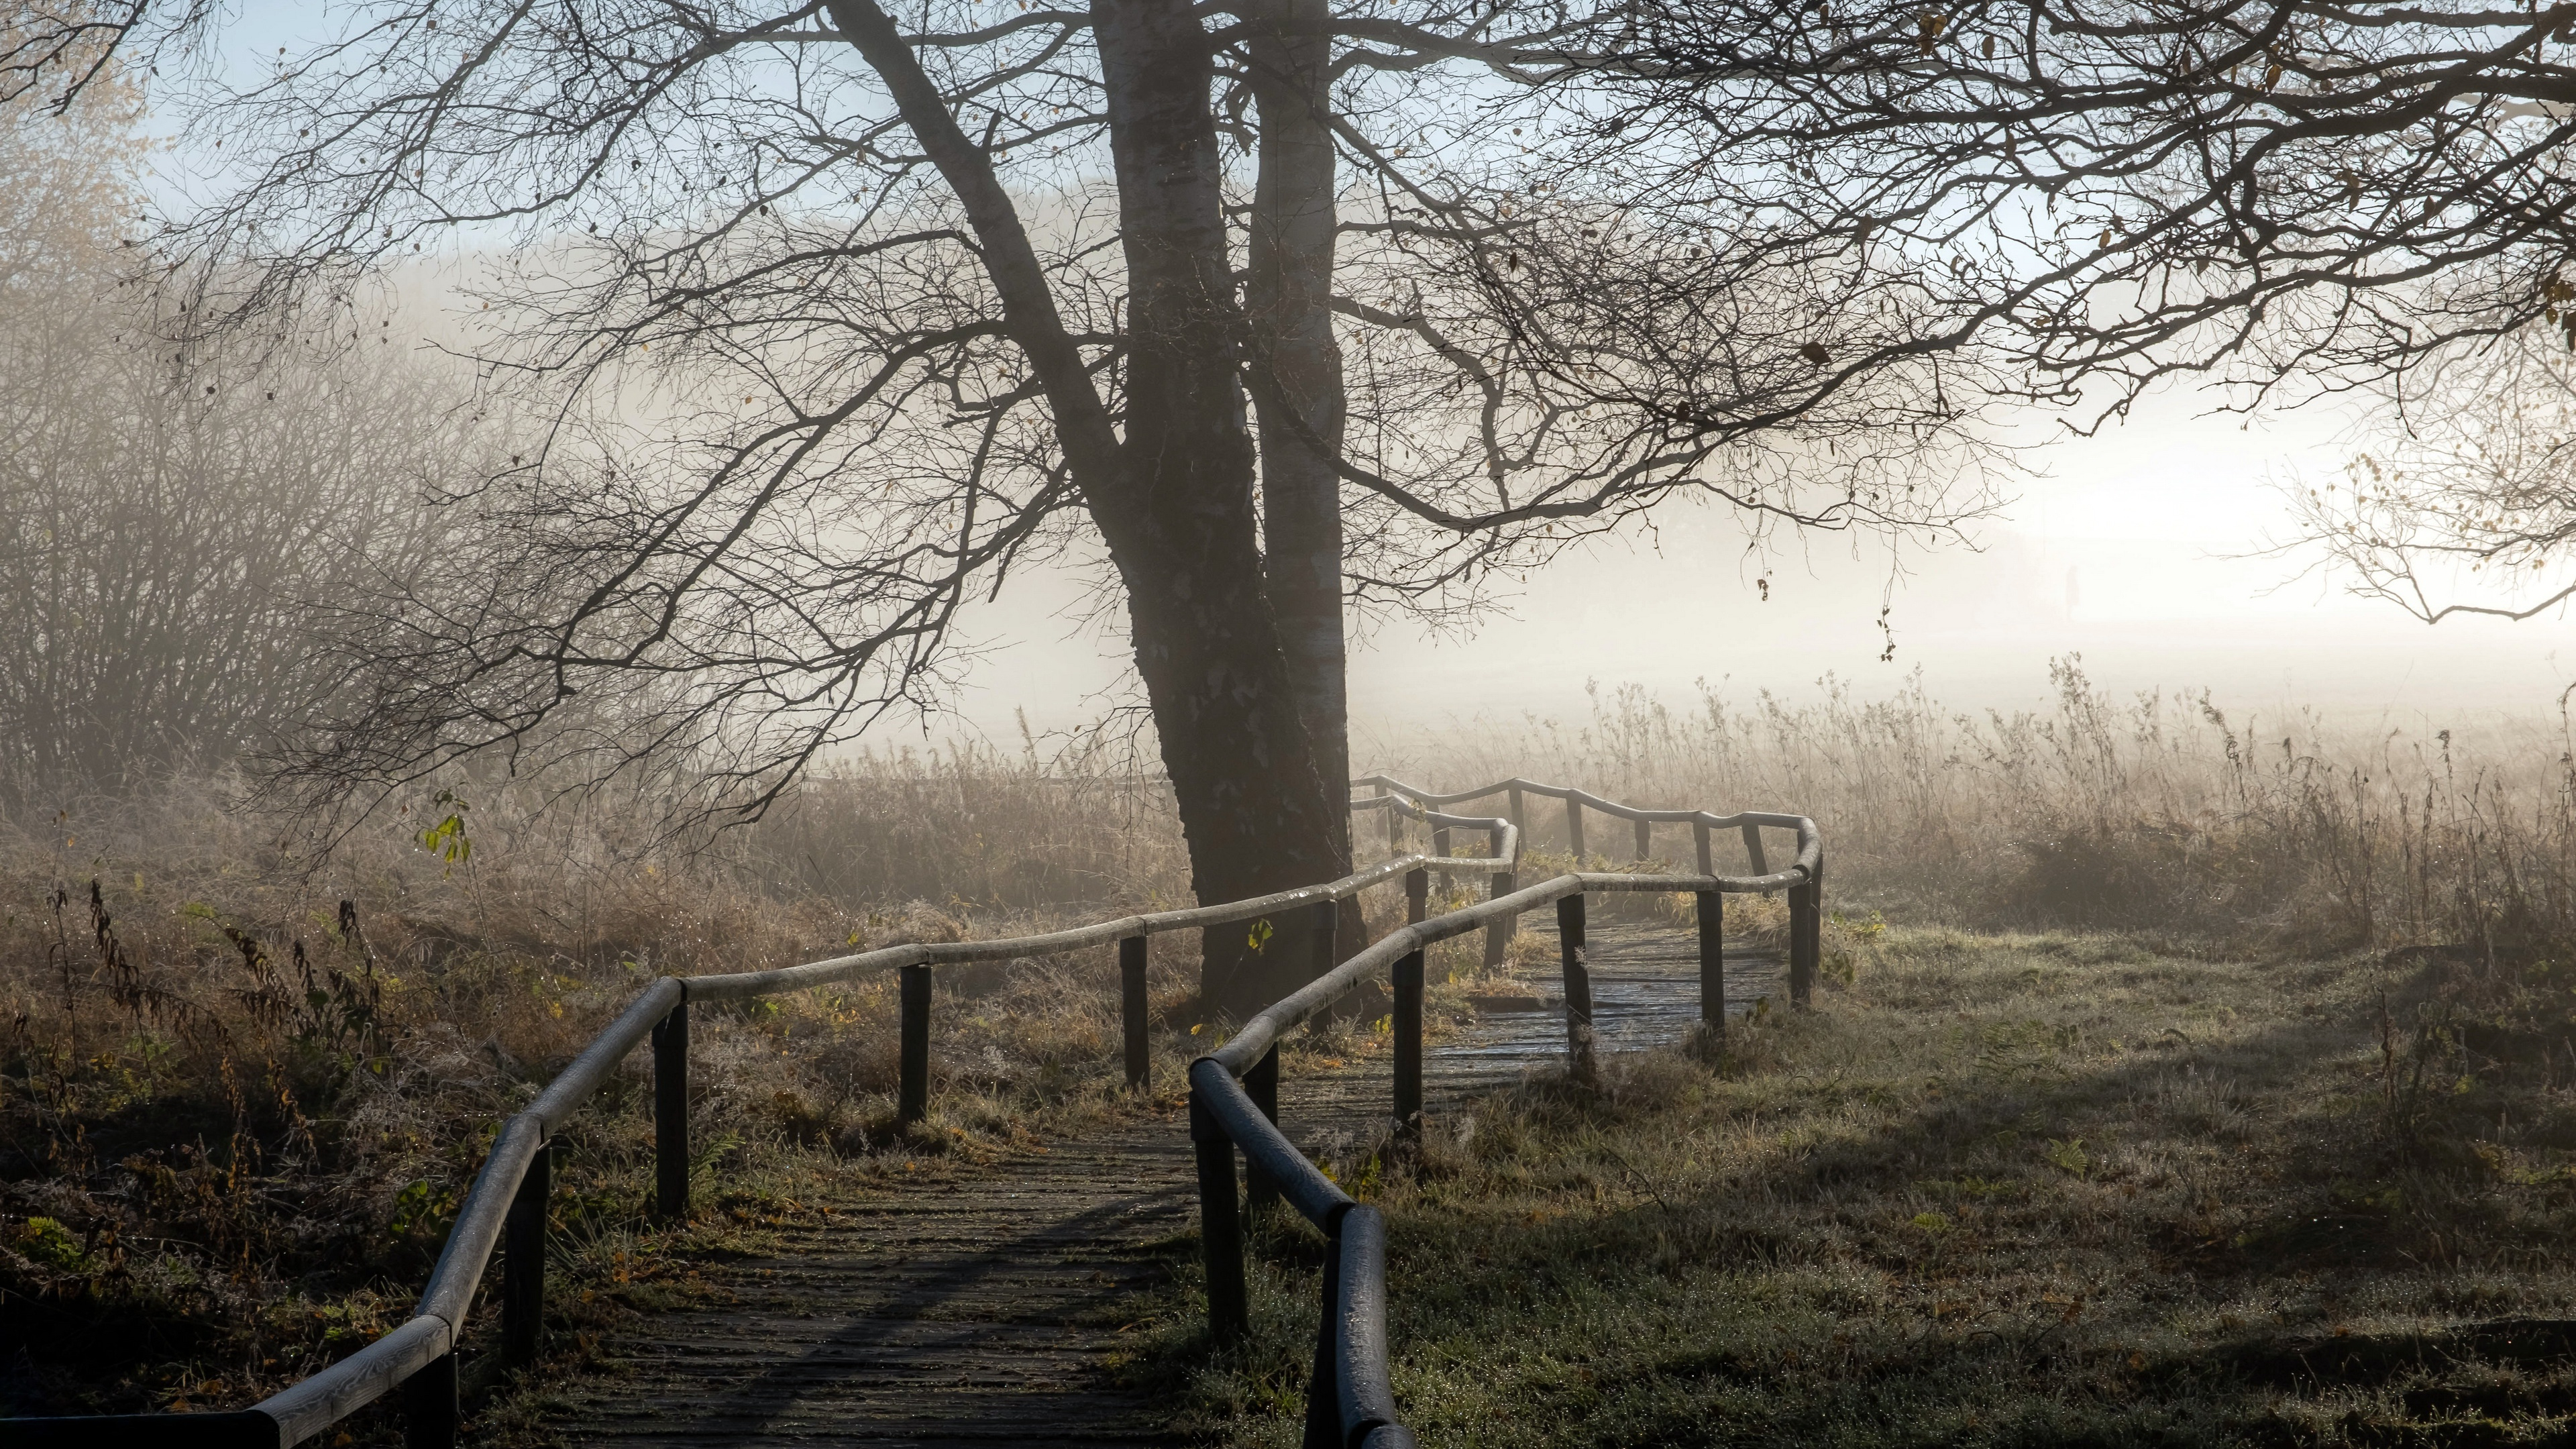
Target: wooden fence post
[[1712, 967], [1498, 933], [1324, 1389], [1645, 840], [1220, 1226], [1578, 987], [1574, 829], [523, 1262], [912, 1095], [671, 1114], [1802, 943], [1132, 1007], [429, 1405], [1408, 1049], [1261, 1084]]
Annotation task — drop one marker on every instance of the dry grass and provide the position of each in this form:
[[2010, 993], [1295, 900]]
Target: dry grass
[[232, 1128], [2161, 813], [2029, 1189], [235, 1121]]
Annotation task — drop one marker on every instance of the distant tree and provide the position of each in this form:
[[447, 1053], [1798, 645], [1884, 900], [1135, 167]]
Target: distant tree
[[2461, 498], [176, 523], [53, 53], [1267, 308]]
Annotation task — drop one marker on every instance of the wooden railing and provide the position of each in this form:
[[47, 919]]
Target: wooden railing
[[1350, 1401], [1233, 1104]]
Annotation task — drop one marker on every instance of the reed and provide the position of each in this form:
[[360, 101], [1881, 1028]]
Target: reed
[[244, 1079], [2161, 812]]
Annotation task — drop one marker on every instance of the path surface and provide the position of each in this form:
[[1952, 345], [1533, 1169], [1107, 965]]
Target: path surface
[[973, 1312]]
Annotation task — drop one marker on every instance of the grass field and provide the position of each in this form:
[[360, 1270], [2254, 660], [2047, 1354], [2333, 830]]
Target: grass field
[[235, 1121], [1995, 1189]]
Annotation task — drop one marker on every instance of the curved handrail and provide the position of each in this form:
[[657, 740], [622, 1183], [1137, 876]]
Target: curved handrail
[[430, 1336], [1810, 844], [1355, 1282], [311, 1406], [1353, 1393]]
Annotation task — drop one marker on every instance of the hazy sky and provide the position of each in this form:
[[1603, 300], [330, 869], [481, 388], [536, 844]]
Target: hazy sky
[[2127, 549], [2121, 551]]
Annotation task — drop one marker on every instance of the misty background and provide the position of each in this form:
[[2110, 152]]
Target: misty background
[[2147, 549]]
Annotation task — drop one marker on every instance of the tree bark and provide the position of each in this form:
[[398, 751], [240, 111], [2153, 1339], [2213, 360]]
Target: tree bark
[[1290, 328], [1298, 394], [1253, 801], [1173, 498]]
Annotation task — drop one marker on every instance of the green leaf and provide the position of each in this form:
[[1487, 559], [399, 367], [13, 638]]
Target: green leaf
[[47, 1241]]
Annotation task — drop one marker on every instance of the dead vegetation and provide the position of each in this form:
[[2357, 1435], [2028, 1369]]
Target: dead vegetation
[[2266, 1136], [241, 1093], [235, 1118], [2164, 813], [2019, 1189]]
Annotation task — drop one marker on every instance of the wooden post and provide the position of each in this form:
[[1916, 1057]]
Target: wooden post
[[1815, 934], [1132, 1007], [1324, 1389], [1220, 1229], [1261, 1084], [1574, 829], [1578, 987], [1753, 849], [1712, 966], [1394, 827], [1417, 896], [429, 1405], [523, 1262], [1408, 1049], [912, 1097], [671, 1115], [1440, 841], [1802, 943], [1498, 933], [1512, 810], [1645, 840], [1699, 842]]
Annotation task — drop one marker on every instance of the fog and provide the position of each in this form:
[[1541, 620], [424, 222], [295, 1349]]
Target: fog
[[2135, 548], [2140, 548]]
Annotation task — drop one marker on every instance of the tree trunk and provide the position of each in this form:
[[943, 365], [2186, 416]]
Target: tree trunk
[[1253, 802], [1299, 394], [1173, 499], [1300, 401]]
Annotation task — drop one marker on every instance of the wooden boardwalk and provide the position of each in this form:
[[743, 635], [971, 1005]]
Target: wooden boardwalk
[[978, 1311], [958, 1313]]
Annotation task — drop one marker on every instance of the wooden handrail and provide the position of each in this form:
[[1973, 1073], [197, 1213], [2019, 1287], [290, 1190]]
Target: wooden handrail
[[419, 1356]]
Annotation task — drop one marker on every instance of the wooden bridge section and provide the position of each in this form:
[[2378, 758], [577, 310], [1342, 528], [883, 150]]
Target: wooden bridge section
[[978, 1311], [973, 1314]]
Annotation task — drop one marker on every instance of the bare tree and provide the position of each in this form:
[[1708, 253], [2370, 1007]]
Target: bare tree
[[847, 314], [174, 522], [53, 53], [2463, 498], [2291, 198]]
